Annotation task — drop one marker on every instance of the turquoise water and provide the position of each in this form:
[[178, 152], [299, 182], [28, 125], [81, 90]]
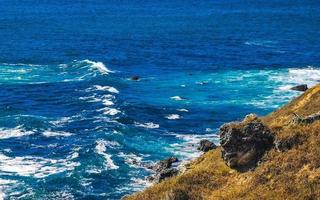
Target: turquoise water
[[73, 124]]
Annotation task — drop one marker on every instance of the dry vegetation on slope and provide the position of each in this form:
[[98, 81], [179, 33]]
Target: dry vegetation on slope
[[290, 172]]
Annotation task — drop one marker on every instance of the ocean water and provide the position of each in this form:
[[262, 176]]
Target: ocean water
[[74, 126]]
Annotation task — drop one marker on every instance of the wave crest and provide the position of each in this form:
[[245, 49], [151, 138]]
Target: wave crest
[[36, 74]]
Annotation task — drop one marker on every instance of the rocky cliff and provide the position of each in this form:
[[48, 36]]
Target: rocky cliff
[[272, 157]]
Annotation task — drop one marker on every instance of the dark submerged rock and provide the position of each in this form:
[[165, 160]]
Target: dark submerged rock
[[206, 145], [300, 88], [135, 78], [244, 143]]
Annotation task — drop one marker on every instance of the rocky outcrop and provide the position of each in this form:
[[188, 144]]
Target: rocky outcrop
[[206, 145], [300, 88], [306, 120], [163, 169], [164, 174], [244, 143], [285, 144]]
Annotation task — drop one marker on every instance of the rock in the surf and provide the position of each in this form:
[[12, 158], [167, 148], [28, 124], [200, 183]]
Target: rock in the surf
[[300, 88], [163, 169], [135, 78]]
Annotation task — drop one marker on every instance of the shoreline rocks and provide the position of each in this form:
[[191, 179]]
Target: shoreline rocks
[[163, 170], [244, 143], [206, 145], [300, 88], [305, 120]]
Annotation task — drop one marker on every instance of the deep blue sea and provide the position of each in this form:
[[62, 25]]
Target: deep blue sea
[[74, 126]]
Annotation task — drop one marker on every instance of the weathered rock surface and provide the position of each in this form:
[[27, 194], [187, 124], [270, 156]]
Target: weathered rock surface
[[164, 174], [306, 120], [164, 164], [301, 88], [288, 143], [244, 143], [206, 145], [163, 169]]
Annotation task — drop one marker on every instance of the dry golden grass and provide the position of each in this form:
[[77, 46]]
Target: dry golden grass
[[292, 174]]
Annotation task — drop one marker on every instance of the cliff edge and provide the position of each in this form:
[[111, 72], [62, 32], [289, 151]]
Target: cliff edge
[[287, 168]]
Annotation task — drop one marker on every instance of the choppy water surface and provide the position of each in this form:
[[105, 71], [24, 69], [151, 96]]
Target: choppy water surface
[[74, 126]]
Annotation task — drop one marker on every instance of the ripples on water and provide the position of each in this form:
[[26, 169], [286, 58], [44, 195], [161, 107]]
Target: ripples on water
[[80, 129]]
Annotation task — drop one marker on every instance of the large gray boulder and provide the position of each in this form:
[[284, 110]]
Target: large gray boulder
[[244, 143]]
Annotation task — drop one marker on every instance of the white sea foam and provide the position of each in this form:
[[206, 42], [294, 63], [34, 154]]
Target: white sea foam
[[97, 98], [90, 99], [110, 111], [106, 88], [149, 125], [99, 66], [138, 184], [65, 120], [20, 71], [93, 170], [177, 98], [173, 116], [309, 76], [49, 133], [282, 81], [182, 110], [34, 166], [202, 82], [107, 102], [7, 182], [63, 194], [131, 159], [4, 186], [61, 121], [74, 155], [264, 43], [14, 132], [188, 147], [101, 149]]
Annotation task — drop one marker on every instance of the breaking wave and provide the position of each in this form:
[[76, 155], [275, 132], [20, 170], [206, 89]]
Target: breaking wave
[[101, 149], [14, 132], [37, 167], [36, 74]]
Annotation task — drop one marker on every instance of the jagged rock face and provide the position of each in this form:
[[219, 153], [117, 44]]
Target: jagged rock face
[[164, 164], [167, 173], [206, 145], [244, 143], [163, 169]]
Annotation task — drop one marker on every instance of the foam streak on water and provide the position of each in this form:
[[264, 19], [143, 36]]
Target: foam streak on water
[[34, 166], [14, 132], [101, 148]]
